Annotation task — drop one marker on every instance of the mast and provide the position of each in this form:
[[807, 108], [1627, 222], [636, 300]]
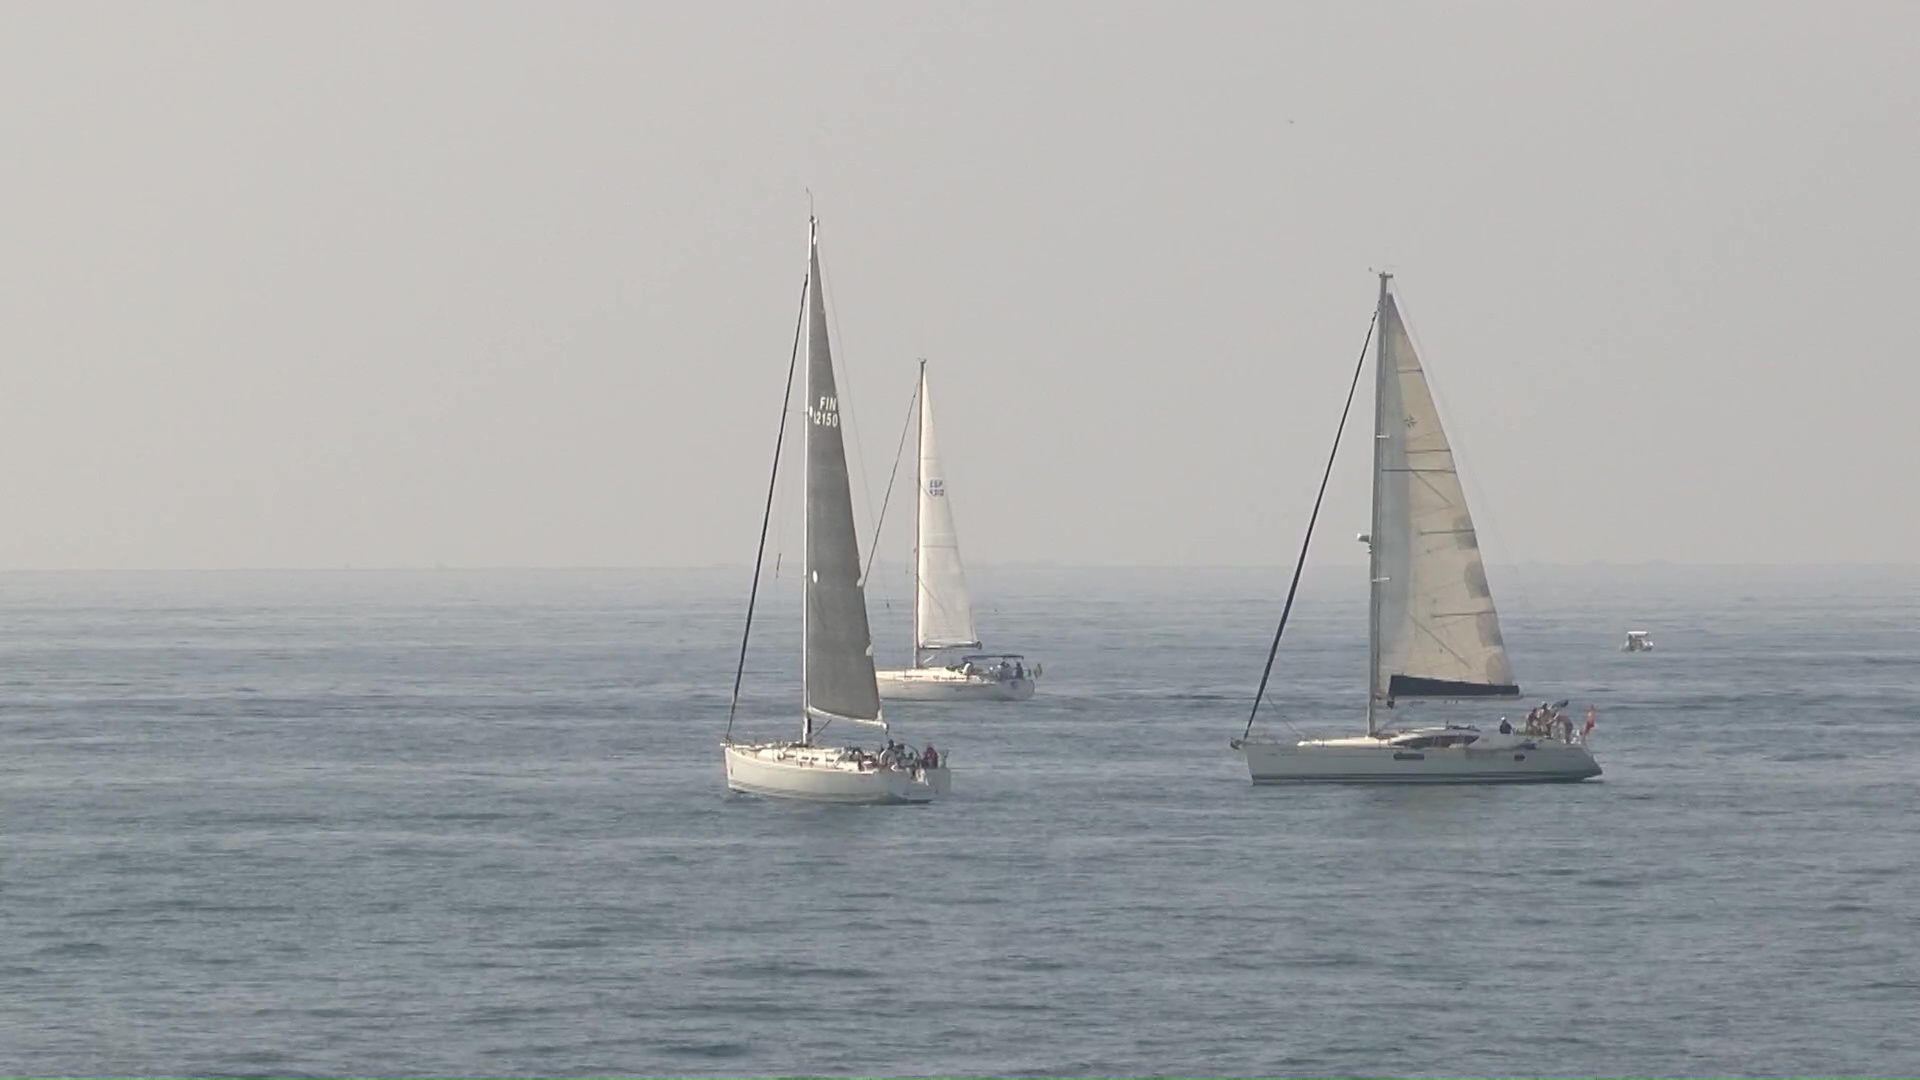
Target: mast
[[919, 501], [806, 495], [1373, 526]]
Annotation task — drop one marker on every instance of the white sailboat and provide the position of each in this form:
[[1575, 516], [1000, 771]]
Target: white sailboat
[[837, 657], [1432, 631], [947, 663]]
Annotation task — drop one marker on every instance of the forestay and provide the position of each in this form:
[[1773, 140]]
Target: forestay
[[943, 615], [839, 648], [1438, 635]]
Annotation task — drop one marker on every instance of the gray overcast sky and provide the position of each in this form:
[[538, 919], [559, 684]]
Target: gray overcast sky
[[486, 284]]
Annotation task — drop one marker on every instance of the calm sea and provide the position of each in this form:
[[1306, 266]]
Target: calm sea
[[474, 823]]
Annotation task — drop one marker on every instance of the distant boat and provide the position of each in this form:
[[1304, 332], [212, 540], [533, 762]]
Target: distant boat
[[1432, 631], [1637, 641], [837, 653], [943, 668]]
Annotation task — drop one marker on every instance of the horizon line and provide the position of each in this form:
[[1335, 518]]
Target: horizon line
[[1011, 564]]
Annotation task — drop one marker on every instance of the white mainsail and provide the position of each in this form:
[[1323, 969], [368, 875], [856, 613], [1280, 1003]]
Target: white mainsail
[[943, 612], [1436, 634], [839, 651]]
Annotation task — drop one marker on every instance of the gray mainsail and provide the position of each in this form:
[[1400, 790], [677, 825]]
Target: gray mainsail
[[1435, 631], [839, 648]]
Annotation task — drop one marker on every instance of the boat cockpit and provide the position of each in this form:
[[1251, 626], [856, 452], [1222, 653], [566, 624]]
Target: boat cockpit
[[996, 666]]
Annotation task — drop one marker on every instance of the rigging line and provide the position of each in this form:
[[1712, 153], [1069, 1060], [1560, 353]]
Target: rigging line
[[783, 496], [760, 552], [781, 512], [1307, 541], [898, 453]]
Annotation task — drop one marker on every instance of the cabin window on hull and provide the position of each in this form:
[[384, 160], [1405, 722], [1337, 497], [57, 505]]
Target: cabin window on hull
[[1441, 742]]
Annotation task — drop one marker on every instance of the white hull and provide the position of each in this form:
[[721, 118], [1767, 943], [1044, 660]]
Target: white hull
[[1513, 759], [945, 684], [827, 774]]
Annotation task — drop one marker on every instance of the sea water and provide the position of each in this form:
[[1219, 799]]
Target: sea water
[[447, 822]]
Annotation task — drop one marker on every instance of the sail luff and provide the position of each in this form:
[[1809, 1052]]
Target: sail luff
[[838, 665], [1436, 632], [943, 611]]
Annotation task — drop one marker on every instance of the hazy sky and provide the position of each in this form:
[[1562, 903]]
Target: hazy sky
[[390, 284]]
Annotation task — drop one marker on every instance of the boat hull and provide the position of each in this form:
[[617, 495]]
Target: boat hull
[[1310, 762], [826, 775], [939, 684]]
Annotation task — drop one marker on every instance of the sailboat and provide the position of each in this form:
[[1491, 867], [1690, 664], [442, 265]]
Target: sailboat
[[837, 680], [947, 665], [1432, 631]]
